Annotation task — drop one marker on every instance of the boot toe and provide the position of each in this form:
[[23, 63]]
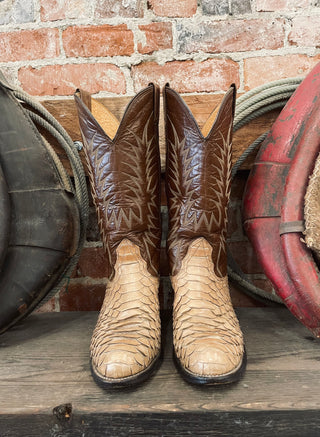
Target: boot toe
[[117, 369], [211, 366], [213, 362], [118, 365]]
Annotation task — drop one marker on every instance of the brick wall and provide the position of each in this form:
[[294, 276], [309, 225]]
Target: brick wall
[[115, 47]]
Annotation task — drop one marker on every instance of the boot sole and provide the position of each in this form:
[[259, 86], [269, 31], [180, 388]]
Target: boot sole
[[225, 379], [127, 382]]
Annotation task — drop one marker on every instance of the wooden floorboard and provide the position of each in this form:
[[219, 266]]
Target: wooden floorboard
[[46, 387]]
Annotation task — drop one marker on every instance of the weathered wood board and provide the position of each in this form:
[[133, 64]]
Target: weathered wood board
[[200, 105], [44, 363]]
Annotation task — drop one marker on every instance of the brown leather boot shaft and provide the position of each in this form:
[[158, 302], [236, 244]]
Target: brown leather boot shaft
[[197, 179], [207, 339], [125, 176], [124, 167]]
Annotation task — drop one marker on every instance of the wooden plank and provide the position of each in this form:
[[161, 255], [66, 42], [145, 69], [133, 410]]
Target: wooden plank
[[200, 105], [44, 363], [216, 424]]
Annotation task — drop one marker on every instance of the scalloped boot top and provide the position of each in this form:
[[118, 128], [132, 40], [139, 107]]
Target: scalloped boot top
[[208, 342], [123, 163]]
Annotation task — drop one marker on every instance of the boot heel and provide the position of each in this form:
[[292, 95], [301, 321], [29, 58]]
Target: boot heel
[[208, 342], [123, 163]]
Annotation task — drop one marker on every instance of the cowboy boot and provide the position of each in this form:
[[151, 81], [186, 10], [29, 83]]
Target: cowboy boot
[[208, 342], [124, 169]]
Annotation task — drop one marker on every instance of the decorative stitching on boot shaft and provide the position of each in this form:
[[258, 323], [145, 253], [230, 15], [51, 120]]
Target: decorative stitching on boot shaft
[[125, 178], [197, 180]]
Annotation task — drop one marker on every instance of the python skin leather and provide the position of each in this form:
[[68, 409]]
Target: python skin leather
[[124, 173], [207, 338], [126, 338]]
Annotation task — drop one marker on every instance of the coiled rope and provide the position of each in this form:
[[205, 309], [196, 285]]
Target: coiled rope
[[41, 117], [250, 106]]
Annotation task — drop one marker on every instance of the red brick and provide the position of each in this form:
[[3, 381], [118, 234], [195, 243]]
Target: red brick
[[158, 36], [231, 36], [188, 76], [92, 263], [29, 44], [280, 5], [102, 40], [115, 8], [181, 8], [64, 79], [261, 70], [51, 10], [305, 32], [82, 296]]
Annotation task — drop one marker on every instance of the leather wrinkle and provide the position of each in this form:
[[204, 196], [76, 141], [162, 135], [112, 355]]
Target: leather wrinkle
[[197, 190], [207, 338], [44, 216], [124, 173], [125, 176]]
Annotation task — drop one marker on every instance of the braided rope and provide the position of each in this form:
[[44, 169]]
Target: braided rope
[[261, 111], [282, 83], [262, 99], [249, 106]]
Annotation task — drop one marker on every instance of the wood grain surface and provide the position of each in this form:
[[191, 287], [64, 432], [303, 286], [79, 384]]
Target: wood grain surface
[[200, 105], [44, 364]]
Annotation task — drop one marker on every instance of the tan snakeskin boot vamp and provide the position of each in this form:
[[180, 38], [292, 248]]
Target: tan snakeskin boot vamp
[[124, 167], [126, 339], [208, 342], [207, 337]]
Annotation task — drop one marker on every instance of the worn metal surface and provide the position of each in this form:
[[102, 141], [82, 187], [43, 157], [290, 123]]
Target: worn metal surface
[[272, 197], [43, 217]]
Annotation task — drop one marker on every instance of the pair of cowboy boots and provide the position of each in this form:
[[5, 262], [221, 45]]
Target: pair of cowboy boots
[[124, 168]]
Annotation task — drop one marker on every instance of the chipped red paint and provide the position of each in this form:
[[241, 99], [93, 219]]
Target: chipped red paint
[[299, 259], [274, 194]]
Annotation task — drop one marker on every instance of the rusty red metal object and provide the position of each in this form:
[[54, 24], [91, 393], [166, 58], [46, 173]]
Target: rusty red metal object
[[300, 262], [274, 195]]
